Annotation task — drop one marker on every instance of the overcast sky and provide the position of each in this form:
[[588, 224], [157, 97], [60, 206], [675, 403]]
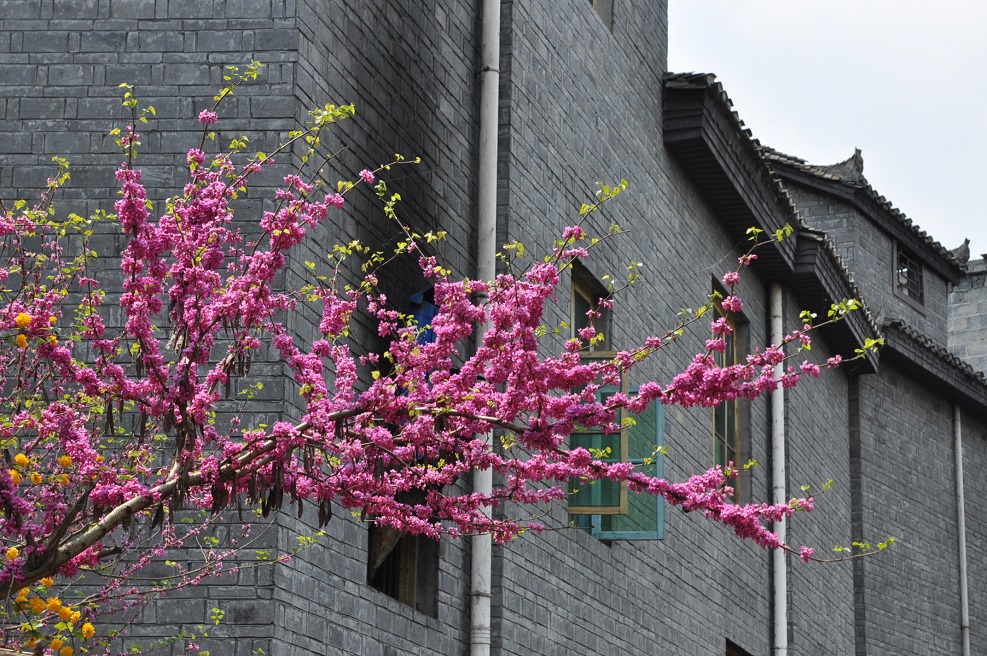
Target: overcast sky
[[903, 80]]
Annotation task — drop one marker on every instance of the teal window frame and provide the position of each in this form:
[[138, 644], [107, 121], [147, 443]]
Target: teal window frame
[[595, 522]]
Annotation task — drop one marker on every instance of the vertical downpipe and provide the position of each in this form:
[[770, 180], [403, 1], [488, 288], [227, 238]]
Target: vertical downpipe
[[486, 263], [779, 562], [961, 531]]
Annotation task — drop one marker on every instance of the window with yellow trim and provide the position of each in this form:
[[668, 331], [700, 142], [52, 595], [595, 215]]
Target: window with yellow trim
[[608, 510], [731, 419]]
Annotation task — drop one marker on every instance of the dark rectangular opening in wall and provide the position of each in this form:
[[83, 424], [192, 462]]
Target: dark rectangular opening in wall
[[909, 282], [404, 567]]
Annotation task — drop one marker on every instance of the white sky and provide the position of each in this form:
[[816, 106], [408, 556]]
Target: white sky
[[903, 80]]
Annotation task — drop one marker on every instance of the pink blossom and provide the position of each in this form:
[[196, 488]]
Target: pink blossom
[[732, 304], [207, 117], [367, 176]]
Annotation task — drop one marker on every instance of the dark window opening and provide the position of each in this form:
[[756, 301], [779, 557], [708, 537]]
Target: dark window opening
[[731, 419], [734, 650], [587, 292], [909, 281], [404, 567]]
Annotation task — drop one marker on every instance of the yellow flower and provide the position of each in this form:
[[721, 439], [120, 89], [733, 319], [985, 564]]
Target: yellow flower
[[31, 643], [88, 630], [38, 605], [13, 553], [100, 458], [64, 479], [52, 340], [22, 594], [47, 581], [65, 461], [21, 341], [15, 476], [66, 651], [76, 616], [65, 613], [21, 459], [36, 478], [56, 643], [54, 604], [52, 319], [23, 320]]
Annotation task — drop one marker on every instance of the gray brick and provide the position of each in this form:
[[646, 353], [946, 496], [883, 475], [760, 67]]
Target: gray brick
[[41, 108], [45, 41], [70, 75], [189, 9], [18, 74], [248, 8], [123, 9], [74, 9], [20, 9], [187, 74], [100, 41], [161, 41]]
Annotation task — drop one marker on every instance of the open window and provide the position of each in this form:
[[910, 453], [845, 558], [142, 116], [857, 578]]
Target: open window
[[404, 567], [586, 294], [909, 278], [608, 510]]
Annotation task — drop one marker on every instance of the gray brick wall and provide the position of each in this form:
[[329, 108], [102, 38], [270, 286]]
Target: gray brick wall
[[910, 594], [817, 414], [968, 316]]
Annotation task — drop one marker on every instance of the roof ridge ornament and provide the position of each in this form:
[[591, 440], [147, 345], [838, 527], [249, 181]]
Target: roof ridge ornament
[[850, 170]]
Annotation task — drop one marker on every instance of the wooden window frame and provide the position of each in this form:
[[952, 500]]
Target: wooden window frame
[[732, 411], [912, 288], [584, 286], [621, 507], [740, 408]]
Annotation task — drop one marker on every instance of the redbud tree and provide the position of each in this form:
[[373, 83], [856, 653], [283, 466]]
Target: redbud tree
[[111, 425]]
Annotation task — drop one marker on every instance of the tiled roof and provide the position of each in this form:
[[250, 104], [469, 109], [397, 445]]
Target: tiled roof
[[934, 366], [765, 154], [850, 172]]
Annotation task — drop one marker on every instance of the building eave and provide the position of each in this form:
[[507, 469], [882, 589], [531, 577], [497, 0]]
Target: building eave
[[720, 157], [933, 365], [877, 209]]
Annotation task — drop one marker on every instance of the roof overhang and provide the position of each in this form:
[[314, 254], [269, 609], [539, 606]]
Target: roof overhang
[[724, 163], [935, 367], [862, 198]]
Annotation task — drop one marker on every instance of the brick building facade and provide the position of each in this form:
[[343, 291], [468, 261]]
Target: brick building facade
[[585, 95]]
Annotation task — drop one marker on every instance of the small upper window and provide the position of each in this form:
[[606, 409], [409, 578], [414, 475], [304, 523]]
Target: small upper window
[[909, 282], [585, 308]]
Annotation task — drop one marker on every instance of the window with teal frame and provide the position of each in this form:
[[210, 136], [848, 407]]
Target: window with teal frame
[[622, 514]]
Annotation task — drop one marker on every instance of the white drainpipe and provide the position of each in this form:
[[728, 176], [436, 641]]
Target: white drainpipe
[[961, 530], [486, 263], [778, 556]]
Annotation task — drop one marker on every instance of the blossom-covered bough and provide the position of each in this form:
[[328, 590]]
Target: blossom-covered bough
[[110, 430]]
